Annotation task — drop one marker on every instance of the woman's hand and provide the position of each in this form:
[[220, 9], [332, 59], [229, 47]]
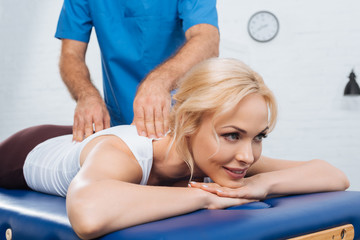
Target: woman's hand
[[221, 202], [249, 188]]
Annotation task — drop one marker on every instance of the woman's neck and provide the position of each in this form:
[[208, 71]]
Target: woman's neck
[[168, 167]]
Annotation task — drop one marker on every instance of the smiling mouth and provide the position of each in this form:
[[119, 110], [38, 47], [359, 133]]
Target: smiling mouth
[[235, 173]]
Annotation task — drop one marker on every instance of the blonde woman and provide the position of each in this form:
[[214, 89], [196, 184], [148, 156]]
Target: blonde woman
[[116, 179]]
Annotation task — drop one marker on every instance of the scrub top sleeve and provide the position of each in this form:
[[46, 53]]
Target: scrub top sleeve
[[75, 21], [193, 12]]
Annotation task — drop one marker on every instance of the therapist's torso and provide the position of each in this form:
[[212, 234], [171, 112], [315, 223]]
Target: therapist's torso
[[134, 37]]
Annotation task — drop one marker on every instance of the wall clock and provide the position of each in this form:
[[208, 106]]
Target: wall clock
[[263, 26]]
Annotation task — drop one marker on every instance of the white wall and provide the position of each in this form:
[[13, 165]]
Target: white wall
[[31, 90], [306, 65]]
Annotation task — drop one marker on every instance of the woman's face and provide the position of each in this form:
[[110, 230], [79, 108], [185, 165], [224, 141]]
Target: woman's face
[[240, 133]]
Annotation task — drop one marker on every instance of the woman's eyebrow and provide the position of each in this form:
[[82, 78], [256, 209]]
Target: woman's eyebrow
[[244, 131], [236, 128]]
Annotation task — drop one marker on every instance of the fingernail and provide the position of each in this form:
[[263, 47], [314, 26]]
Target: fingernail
[[161, 135], [205, 186], [189, 185], [219, 190], [193, 182], [152, 136], [143, 134]]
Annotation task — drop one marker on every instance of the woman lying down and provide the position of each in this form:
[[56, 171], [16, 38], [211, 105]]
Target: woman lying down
[[116, 179]]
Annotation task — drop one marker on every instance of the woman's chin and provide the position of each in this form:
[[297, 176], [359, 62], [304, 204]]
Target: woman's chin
[[230, 183]]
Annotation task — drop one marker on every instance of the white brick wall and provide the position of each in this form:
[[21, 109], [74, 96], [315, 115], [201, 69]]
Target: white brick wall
[[306, 65]]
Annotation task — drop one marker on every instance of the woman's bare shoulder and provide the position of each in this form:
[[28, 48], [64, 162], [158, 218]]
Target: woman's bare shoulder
[[108, 156]]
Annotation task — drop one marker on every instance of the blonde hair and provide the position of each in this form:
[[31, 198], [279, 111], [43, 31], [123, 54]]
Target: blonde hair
[[213, 86]]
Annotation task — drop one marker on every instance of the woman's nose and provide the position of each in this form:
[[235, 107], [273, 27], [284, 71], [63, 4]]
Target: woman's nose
[[245, 154]]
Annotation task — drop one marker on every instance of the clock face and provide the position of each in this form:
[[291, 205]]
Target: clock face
[[263, 26]]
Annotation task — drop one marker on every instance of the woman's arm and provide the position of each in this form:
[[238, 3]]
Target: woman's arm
[[293, 177], [270, 176], [104, 196]]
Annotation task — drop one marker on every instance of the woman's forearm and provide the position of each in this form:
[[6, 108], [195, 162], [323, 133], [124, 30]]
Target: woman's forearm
[[110, 205], [105, 206], [284, 179], [311, 176]]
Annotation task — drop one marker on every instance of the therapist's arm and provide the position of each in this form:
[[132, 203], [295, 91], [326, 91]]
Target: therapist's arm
[[153, 100], [90, 107]]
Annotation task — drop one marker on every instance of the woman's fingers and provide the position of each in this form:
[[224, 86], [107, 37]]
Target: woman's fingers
[[224, 197], [241, 192], [225, 202], [209, 187], [215, 189], [205, 185], [232, 193]]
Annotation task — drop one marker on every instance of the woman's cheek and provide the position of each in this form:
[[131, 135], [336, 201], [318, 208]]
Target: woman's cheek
[[257, 149]]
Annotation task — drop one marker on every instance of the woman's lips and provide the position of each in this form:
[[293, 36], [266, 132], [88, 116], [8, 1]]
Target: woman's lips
[[236, 173]]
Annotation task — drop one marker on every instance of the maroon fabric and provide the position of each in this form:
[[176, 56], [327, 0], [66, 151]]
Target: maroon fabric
[[13, 152]]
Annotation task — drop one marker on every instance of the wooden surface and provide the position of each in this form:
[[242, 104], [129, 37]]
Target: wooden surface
[[345, 232]]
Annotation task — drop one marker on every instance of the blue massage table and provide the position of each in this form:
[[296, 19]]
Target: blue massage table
[[31, 215]]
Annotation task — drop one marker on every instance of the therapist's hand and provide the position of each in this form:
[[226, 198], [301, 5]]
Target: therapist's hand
[[90, 114], [151, 109], [153, 99]]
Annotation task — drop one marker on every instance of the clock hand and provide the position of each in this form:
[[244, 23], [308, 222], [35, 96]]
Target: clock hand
[[262, 26]]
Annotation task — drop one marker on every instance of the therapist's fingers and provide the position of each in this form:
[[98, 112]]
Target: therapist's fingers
[[166, 113], [151, 110], [98, 125], [82, 128], [150, 122], [159, 122], [101, 120], [139, 121], [89, 128], [106, 121], [162, 114], [148, 116], [79, 122], [78, 128], [90, 113]]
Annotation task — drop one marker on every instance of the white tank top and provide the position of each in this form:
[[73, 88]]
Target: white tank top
[[51, 165]]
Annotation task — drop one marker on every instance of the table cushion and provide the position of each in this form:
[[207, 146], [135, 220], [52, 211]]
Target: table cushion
[[33, 215]]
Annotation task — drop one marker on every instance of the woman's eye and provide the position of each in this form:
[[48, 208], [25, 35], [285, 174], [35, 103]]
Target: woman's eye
[[260, 137], [231, 136]]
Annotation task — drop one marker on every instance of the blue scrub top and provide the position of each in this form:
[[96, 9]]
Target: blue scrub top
[[134, 37]]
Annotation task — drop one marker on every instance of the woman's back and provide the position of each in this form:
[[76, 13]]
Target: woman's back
[[51, 166]]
